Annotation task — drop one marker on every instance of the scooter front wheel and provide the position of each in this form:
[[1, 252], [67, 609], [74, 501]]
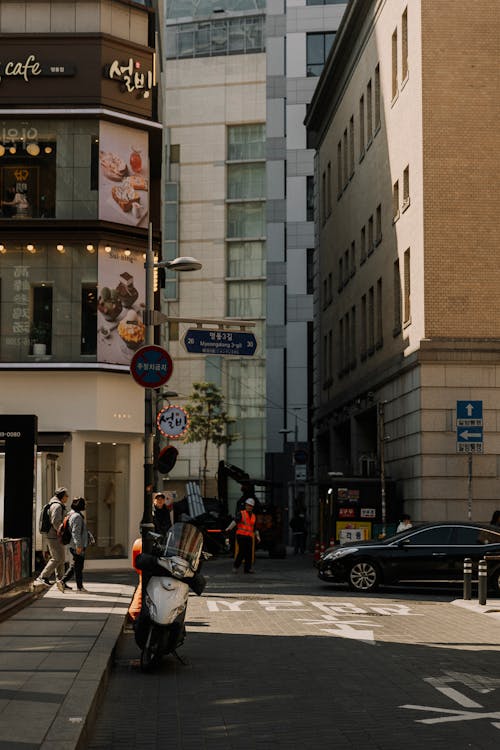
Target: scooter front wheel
[[151, 653]]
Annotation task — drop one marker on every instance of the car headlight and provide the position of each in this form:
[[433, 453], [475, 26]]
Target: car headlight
[[342, 552]]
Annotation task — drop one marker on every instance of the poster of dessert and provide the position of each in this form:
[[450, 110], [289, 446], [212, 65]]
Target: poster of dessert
[[121, 296], [123, 175]]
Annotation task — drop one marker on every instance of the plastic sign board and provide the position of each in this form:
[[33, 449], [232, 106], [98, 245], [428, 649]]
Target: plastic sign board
[[173, 422], [207, 341], [470, 427], [151, 366]]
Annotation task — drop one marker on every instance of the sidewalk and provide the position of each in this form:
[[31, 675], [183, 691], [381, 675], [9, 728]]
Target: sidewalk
[[54, 660]]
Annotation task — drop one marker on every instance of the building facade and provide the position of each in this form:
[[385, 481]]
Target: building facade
[[79, 185], [407, 155]]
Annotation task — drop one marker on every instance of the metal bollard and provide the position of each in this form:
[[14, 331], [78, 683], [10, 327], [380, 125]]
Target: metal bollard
[[482, 572], [467, 578]]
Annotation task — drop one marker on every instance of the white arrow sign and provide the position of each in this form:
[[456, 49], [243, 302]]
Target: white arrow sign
[[465, 435]]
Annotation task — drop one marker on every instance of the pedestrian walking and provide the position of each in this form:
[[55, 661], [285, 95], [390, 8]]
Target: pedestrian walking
[[163, 512], [404, 524], [80, 540], [246, 534], [298, 527], [57, 551]]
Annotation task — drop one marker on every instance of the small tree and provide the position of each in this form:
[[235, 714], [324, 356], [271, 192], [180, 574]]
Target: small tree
[[208, 421]]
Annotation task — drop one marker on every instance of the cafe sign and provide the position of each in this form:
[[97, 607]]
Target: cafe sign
[[29, 67], [131, 77]]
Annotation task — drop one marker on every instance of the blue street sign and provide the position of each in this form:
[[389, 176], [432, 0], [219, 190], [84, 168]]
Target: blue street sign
[[469, 434], [205, 341], [469, 410]]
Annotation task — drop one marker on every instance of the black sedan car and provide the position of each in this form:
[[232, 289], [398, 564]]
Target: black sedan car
[[429, 552]]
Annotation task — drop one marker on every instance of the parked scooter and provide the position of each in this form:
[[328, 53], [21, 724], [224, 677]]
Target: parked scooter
[[171, 571]]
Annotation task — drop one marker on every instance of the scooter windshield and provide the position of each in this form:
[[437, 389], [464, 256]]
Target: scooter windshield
[[184, 540]]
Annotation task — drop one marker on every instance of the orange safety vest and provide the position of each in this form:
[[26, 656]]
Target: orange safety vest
[[246, 525]]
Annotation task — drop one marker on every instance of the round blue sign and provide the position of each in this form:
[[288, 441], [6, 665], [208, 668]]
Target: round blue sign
[[151, 366]]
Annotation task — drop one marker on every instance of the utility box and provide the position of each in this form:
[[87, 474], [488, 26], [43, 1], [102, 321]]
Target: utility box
[[352, 509]]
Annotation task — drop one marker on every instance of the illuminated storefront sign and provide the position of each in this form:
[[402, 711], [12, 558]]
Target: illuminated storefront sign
[[30, 68], [130, 76]]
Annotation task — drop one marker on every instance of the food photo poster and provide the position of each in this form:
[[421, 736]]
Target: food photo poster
[[123, 175], [120, 304]]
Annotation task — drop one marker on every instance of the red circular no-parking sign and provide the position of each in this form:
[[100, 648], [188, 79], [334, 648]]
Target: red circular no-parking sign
[[151, 366]]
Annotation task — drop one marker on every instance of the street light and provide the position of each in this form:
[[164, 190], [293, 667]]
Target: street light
[[178, 264]]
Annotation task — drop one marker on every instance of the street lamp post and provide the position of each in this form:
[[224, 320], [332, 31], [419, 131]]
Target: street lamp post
[[178, 264]]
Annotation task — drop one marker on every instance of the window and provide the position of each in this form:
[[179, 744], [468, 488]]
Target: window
[[341, 275], [406, 288], [397, 297], [438, 535], [379, 318], [363, 245], [245, 299], [41, 318], [353, 258], [246, 259], [361, 126], [395, 201], [341, 346], [317, 48], [378, 226], [310, 270], [363, 329], [329, 188], [346, 155], [323, 198], [246, 181], [369, 112], [89, 319], [377, 97], [231, 36], [404, 44], [330, 287], [371, 320], [310, 198], [351, 146], [246, 220], [339, 168], [353, 337], [346, 266], [371, 243], [394, 63], [406, 188], [246, 142], [330, 354]]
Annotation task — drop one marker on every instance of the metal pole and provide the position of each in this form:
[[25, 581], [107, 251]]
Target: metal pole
[[147, 515], [467, 578], [469, 487], [482, 581], [383, 508]]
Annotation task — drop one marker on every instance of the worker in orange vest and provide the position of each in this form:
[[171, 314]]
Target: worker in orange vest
[[246, 533]]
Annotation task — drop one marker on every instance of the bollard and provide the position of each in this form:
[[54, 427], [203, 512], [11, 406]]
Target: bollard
[[482, 572], [467, 578]]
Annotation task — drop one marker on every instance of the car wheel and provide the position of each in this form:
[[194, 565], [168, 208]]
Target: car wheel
[[364, 576]]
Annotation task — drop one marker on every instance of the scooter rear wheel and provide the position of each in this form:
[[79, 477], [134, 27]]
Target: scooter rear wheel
[[151, 653]]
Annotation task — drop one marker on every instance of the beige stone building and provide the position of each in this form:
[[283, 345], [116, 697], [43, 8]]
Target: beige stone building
[[405, 123]]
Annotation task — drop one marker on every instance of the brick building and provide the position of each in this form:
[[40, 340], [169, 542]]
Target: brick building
[[404, 120]]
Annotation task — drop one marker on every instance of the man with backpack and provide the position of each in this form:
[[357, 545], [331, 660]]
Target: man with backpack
[[56, 512]]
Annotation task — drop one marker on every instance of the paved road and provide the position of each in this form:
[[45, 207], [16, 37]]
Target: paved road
[[279, 660]]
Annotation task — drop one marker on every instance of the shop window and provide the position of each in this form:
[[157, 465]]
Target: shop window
[[107, 498], [89, 320], [27, 178], [41, 320]]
